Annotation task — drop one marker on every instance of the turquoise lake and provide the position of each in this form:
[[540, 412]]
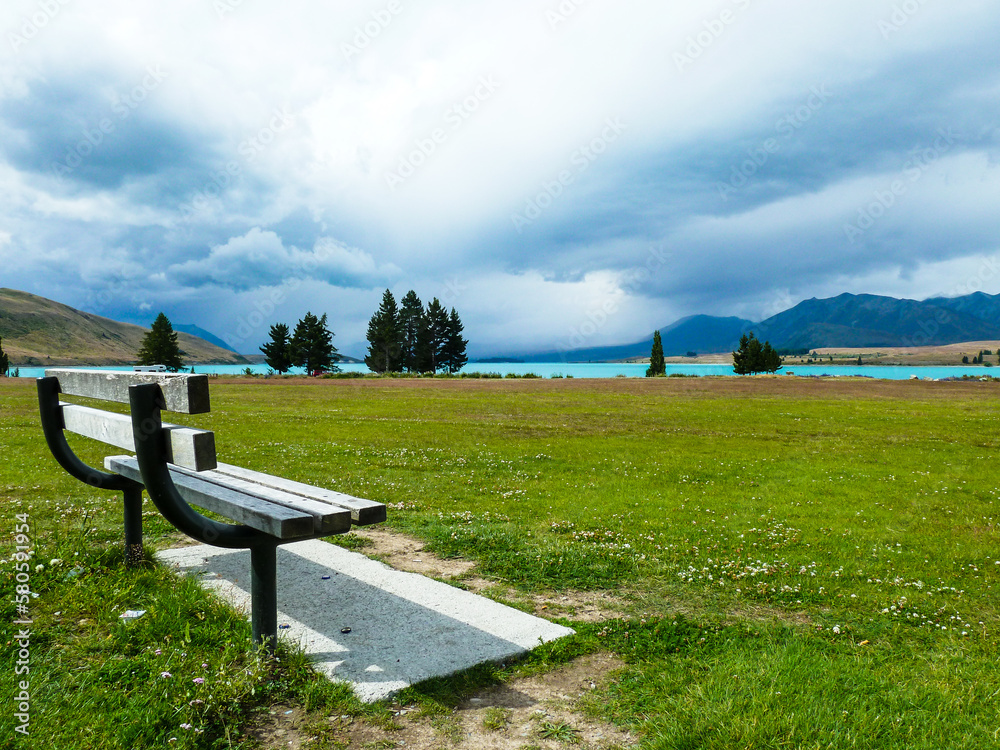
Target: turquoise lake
[[612, 370]]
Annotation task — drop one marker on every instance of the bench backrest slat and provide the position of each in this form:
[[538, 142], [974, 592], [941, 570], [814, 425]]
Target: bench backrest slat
[[187, 394], [187, 447]]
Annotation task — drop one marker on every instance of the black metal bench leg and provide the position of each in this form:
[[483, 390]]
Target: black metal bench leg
[[264, 594], [132, 498]]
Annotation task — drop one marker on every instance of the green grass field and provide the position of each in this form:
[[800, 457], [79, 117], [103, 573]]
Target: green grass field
[[804, 563]]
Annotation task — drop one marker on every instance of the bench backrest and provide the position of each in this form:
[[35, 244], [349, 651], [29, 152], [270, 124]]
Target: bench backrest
[[187, 447]]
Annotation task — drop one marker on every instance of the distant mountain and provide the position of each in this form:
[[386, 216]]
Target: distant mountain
[[697, 333], [848, 320], [978, 305], [703, 334], [590, 354], [203, 334], [38, 331], [865, 320]]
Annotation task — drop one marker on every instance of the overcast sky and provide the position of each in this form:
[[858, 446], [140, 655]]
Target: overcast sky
[[576, 172]]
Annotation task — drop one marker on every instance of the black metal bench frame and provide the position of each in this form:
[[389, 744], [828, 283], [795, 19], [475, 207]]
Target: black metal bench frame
[[156, 474]]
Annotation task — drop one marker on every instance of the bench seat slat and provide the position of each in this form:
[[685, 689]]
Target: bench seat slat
[[363, 512], [187, 447], [183, 393], [257, 513], [330, 519]]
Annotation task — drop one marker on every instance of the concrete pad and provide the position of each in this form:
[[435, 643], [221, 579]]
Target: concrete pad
[[404, 627]]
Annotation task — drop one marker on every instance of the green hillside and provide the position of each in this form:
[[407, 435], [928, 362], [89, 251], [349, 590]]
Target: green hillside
[[38, 331]]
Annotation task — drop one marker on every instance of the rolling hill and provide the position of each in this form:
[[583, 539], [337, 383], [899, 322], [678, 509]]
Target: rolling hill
[[39, 331]]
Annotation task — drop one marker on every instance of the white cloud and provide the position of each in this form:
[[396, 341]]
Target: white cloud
[[260, 259]]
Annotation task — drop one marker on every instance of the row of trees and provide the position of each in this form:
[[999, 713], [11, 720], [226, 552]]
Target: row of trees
[[310, 346], [415, 338], [978, 359], [753, 357], [408, 337]]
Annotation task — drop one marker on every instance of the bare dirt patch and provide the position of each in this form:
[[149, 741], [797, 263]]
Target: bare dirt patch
[[406, 553], [543, 711], [284, 727]]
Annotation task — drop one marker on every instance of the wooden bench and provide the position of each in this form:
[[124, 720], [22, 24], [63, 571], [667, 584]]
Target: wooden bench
[[178, 469]]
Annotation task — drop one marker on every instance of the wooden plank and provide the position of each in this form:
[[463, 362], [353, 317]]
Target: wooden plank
[[187, 447], [190, 448], [271, 518], [187, 394], [330, 519], [363, 512]]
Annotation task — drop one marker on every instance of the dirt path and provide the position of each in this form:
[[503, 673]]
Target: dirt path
[[544, 711]]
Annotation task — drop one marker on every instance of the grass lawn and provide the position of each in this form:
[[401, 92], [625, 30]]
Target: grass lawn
[[803, 563]]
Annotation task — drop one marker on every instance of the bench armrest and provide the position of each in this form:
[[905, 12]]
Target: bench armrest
[[52, 427], [146, 401]]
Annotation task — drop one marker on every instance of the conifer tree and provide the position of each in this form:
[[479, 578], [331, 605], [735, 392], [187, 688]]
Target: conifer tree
[[411, 314], [384, 338], [159, 346], [432, 336], [4, 361], [770, 360], [656, 364], [454, 357], [312, 346], [741, 357], [277, 351]]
